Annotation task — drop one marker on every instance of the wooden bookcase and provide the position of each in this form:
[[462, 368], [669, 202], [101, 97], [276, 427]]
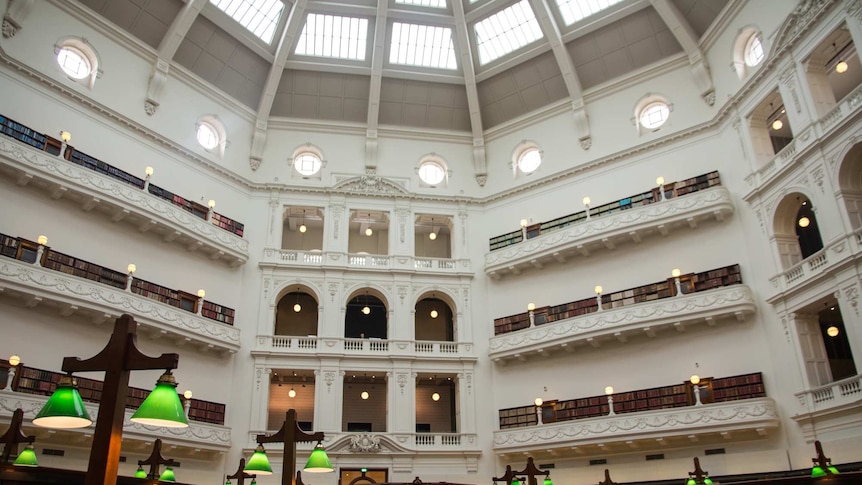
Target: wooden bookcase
[[83, 269], [747, 386], [96, 165], [518, 417], [43, 383], [217, 312], [228, 224]]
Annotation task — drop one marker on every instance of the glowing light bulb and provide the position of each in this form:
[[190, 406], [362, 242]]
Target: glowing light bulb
[[434, 314], [364, 395], [42, 240], [695, 379], [291, 393], [586, 201], [832, 331], [531, 306], [524, 223], [14, 360], [366, 310], [609, 390], [435, 397], [368, 232], [66, 136], [132, 268], [297, 308], [432, 236], [201, 293], [675, 272], [187, 394], [659, 181], [538, 401], [804, 221], [302, 228], [598, 290], [148, 171], [777, 125], [211, 204], [841, 67]]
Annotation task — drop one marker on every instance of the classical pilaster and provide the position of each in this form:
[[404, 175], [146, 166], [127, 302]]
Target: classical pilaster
[[328, 398], [466, 406]]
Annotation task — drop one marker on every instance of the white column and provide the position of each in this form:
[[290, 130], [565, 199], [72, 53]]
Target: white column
[[336, 227], [401, 401], [466, 404], [260, 398], [328, 398]]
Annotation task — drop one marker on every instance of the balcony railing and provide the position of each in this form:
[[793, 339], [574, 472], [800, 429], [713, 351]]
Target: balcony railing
[[349, 443], [607, 232], [197, 436], [102, 302], [364, 346], [836, 394], [291, 258], [810, 269], [749, 418]]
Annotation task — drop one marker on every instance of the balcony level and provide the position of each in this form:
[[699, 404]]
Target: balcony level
[[835, 407], [363, 347], [835, 256], [643, 431], [294, 258], [722, 299], [607, 232], [119, 201], [199, 440], [99, 303]]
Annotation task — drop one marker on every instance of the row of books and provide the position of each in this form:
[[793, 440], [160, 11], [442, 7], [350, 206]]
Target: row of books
[[24, 250], [40, 141], [42, 382], [689, 283], [671, 190]]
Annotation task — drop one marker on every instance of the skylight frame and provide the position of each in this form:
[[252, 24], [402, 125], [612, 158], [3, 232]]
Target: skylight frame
[[434, 5], [363, 30], [395, 47], [572, 11], [496, 37], [254, 21]]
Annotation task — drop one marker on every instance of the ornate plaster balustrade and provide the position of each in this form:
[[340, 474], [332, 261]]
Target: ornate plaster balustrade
[[846, 110], [101, 303], [619, 324], [197, 437], [295, 258], [419, 349], [121, 202], [606, 232], [834, 256], [729, 420], [841, 400], [391, 443]]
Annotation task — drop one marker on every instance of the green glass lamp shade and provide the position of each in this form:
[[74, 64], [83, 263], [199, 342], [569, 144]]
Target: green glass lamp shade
[[227, 482], [707, 481], [64, 409], [253, 481], [140, 473], [548, 481], [817, 472], [318, 462], [516, 482], [258, 463], [26, 458], [691, 481], [162, 407], [167, 475], [833, 470]]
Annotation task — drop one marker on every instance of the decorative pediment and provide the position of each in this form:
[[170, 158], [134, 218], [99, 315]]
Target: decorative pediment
[[366, 443], [370, 185]]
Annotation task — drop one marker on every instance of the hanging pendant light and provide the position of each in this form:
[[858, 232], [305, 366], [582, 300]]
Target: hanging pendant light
[[167, 475], [140, 473], [297, 307], [258, 463], [435, 397], [291, 393], [364, 395], [804, 222], [515, 481], [27, 457], [548, 481], [318, 462], [65, 408], [162, 407]]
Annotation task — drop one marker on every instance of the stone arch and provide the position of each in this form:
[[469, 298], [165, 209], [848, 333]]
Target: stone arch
[[441, 327], [792, 241], [371, 324], [849, 183], [297, 309]]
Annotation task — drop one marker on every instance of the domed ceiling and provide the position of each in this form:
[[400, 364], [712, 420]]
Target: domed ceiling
[[451, 65]]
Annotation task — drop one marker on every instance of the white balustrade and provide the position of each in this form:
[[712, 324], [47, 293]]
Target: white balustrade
[[352, 346], [835, 395]]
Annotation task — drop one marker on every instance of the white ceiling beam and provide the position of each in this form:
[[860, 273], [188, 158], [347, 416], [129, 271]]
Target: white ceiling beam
[[167, 48], [567, 68], [377, 54], [276, 71], [686, 37], [462, 36]]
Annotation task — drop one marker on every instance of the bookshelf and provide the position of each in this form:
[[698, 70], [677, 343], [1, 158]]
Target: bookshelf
[[746, 386], [689, 283], [672, 189], [24, 250], [43, 383], [53, 146]]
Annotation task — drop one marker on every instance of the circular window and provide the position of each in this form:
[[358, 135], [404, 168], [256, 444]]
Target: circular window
[[74, 63], [432, 173], [753, 50], [654, 115], [530, 160], [207, 135], [307, 163]]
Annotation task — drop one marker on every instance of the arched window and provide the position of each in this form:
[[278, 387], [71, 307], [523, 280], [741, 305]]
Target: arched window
[[527, 158], [296, 314], [432, 171], [77, 59], [433, 320], [651, 112], [748, 51], [211, 135], [307, 162], [366, 317]]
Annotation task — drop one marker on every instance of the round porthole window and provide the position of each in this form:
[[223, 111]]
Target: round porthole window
[[530, 160], [74, 63], [654, 115], [307, 164], [431, 172], [207, 135], [754, 50]]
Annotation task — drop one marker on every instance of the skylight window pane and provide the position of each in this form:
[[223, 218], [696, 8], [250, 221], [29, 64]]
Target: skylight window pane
[[575, 10], [424, 3], [422, 45], [260, 17], [333, 36], [506, 31]]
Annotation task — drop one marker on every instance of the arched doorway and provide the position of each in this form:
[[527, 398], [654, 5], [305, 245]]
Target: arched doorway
[[366, 317], [796, 232], [434, 320], [296, 313]]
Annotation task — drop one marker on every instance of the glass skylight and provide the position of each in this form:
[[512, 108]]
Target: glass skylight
[[506, 31], [260, 17], [333, 36], [422, 45], [574, 10], [424, 3]]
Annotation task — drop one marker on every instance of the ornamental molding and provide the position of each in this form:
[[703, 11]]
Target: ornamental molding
[[751, 414], [82, 293], [646, 318], [370, 184], [197, 435], [65, 173], [714, 201]]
